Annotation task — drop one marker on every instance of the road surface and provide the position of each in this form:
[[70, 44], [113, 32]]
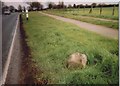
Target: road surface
[[14, 75], [8, 28], [104, 31]]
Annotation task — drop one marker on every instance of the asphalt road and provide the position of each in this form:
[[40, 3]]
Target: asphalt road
[[8, 28]]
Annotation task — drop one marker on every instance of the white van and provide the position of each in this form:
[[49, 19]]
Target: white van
[[7, 12]]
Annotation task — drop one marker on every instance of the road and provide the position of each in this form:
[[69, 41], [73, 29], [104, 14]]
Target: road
[[8, 28], [15, 72]]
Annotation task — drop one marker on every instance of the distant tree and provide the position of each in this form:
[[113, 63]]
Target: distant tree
[[20, 8], [51, 5], [86, 5], [81, 6], [36, 5], [12, 8], [94, 4], [61, 5], [41, 7], [6, 7], [24, 8], [29, 8], [74, 6], [69, 6]]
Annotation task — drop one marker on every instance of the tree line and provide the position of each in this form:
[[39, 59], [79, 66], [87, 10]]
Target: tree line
[[36, 6], [52, 5]]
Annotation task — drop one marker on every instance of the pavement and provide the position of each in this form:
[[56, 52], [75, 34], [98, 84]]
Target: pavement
[[8, 28], [102, 30], [14, 75]]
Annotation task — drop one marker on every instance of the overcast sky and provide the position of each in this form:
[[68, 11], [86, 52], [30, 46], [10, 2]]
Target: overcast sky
[[62, 0], [44, 2]]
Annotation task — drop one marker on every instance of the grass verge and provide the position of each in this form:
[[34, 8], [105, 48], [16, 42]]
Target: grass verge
[[77, 14], [52, 41], [28, 69]]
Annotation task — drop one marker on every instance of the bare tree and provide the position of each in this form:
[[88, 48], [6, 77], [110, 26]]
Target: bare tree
[[36, 5], [94, 4], [51, 5], [20, 8], [74, 6], [69, 6], [61, 5]]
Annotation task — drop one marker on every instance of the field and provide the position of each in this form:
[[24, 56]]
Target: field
[[52, 41], [84, 15]]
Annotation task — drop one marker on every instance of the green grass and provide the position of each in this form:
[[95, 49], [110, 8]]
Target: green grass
[[52, 41], [78, 13]]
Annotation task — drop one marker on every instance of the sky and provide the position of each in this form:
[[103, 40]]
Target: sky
[[15, 3], [62, 0]]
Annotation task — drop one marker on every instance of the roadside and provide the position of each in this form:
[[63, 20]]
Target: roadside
[[13, 76], [8, 29], [104, 31], [28, 71], [20, 70], [52, 41]]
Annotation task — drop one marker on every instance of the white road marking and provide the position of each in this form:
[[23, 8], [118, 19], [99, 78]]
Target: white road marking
[[5, 71]]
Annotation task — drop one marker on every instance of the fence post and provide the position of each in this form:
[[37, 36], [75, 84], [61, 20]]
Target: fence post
[[84, 8], [91, 9], [100, 9], [113, 12]]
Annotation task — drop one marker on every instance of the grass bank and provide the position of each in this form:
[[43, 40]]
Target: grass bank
[[78, 13], [52, 41]]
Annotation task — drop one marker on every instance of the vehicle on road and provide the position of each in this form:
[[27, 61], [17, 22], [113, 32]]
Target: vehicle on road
[[7, 12]]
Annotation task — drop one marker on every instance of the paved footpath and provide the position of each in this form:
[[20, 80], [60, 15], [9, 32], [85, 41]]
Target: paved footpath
[[104, 31], [15, 67]]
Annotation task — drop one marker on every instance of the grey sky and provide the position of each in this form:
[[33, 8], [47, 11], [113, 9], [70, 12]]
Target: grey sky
[[62, 0]]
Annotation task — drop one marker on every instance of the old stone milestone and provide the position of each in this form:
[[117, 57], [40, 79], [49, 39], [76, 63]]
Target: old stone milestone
[[77, 60]]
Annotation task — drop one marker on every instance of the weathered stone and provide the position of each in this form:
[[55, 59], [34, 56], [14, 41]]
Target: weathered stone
[[77, 60]]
